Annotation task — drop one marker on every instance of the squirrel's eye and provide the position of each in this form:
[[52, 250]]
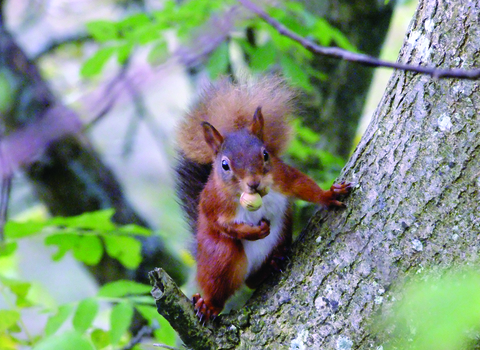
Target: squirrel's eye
[[225, 165], [265, 156]]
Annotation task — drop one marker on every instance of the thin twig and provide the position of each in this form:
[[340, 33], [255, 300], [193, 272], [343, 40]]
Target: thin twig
[[110, 96], [355, 57], [56, 43], [166, 346], [5, 186], [142, 114], [145, 331]]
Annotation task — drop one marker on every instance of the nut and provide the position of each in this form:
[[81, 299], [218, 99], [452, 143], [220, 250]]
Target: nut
[[251, 201]]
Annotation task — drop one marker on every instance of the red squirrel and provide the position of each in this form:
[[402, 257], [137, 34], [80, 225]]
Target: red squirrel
[[230, 145]]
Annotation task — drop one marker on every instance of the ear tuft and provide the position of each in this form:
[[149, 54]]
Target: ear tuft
[[257, 123], [213, 138]]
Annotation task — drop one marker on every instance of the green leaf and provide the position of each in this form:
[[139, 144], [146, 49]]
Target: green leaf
[[149, 313], [100, 220], [9, 342], [140, 299], [88, 249], [70, 340], [158, 54], [296, 73], [263, 57], [94, 65], [100, 338], [86, 311], [218, 62], [298, 150], [8, 319], [64, 241], [133, 22], [305, 133], [120, 320], [326, 34], [122, 288], [146, 34], [19, 288], [16, 230], [125, 249], [123, 52], [56, 321], [103, 31], [342, 41], [165, 333], [85, 248], [133, 229], [7, 248], [6, 92], [442, 312], [281, 42]]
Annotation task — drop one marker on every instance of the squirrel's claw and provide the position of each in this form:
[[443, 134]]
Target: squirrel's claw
[[336, 191], [342, 188], [202, 310]]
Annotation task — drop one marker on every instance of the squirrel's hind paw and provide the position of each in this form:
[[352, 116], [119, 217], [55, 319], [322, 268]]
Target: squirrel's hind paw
[[203, 311]]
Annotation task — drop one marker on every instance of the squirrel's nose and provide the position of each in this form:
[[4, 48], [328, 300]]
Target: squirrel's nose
[[253, 185]]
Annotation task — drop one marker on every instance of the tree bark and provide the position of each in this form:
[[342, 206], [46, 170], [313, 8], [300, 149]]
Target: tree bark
[[415, 205]]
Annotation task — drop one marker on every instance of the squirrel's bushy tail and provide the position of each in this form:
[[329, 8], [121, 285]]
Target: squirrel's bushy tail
[[228, 106], [190, 179]]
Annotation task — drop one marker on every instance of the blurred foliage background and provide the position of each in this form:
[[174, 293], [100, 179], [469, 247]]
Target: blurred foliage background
[[73, 275]]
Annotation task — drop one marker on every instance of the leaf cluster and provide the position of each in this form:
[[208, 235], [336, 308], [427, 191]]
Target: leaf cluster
[[119, 38], [264, 50], [268, 50], [97, 322], [88, 236], [436, 313], [303, 150]]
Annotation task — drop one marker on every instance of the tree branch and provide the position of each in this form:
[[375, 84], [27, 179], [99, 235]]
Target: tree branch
[[366, 60], [178, 311], [1, 12], [5, 187], [145, 331], [56, 43]]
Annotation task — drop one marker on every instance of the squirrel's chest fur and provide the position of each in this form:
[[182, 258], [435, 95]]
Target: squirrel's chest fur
[[273, 209]]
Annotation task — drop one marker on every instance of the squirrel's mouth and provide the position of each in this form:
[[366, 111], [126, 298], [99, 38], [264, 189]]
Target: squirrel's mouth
[[261, 191]]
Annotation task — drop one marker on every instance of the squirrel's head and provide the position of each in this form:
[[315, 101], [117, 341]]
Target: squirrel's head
[[241, 160]]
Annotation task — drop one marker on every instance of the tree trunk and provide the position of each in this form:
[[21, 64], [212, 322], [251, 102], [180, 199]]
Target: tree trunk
[[415, 205], [67, 174]]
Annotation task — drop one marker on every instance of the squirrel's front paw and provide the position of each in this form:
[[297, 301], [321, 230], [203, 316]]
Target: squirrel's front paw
[[264, 228], [338, 190]]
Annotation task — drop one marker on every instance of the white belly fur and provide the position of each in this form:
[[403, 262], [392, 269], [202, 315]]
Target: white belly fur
[[273, 209]]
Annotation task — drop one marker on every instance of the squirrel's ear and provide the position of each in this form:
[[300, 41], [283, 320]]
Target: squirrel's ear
[[212, 137], [257, 124]]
